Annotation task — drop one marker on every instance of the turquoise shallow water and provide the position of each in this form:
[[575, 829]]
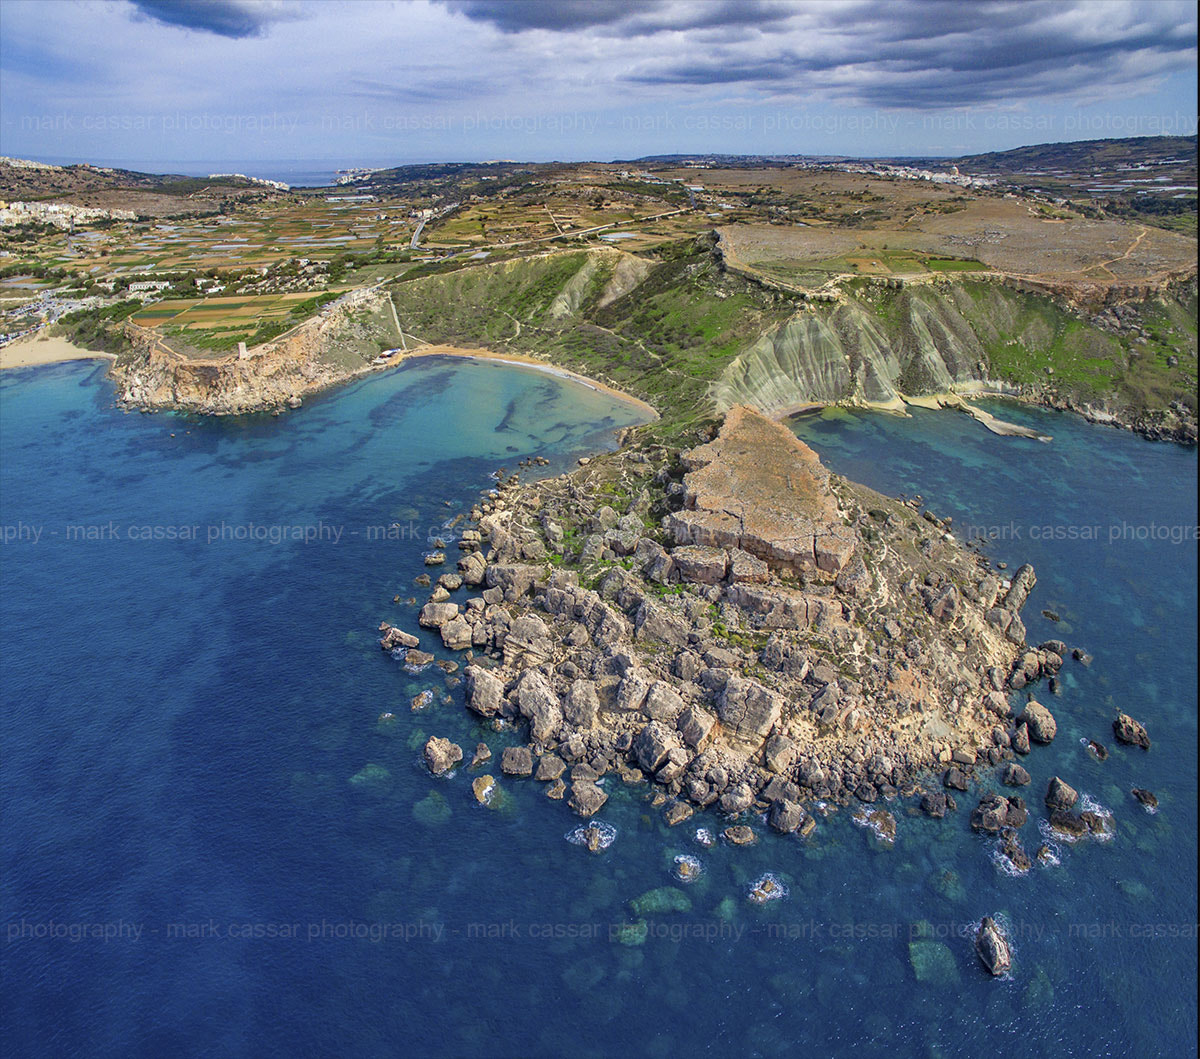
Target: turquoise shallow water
[[183, 718]]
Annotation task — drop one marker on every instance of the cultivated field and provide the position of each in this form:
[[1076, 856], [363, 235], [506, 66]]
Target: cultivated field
[[844, 224]]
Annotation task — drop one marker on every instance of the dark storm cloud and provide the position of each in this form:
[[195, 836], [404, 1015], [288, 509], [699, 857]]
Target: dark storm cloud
[[633, 18], [225, 18], [933, 53], [513, 16]]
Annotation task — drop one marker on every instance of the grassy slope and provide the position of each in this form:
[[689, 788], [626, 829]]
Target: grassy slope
[[677, 331], [1025, 334], [664, 341]]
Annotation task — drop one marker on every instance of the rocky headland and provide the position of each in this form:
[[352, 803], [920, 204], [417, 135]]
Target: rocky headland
[[734, 627], [339, 343]]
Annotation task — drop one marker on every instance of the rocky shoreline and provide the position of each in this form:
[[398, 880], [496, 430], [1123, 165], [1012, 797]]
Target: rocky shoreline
[[154, 378], [733, 627], [1175, 424]]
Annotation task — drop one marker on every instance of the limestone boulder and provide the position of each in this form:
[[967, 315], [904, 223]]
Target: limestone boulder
[[485, 691], [441, 755], [748, 712]]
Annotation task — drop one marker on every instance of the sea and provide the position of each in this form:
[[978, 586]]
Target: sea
[[298, 173], [219, 837]]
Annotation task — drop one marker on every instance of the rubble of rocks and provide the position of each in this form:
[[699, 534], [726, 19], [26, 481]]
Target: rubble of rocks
[[737, 628]]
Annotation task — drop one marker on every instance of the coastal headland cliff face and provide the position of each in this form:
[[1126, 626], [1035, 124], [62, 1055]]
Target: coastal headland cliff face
[[689, 333], [735, 627], [886, 344], [342, 341]]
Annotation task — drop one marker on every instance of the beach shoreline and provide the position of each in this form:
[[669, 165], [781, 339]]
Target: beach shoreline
[[36, 350], [522, 360]]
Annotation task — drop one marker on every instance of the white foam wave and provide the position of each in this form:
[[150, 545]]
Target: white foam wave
[[688, 868], [597, 832], [1088, 804], [1052, 858], [1006, 866], [768, 887], [878, 821]]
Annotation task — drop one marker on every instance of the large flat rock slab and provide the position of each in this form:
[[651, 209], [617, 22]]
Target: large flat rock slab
[[758, 487]]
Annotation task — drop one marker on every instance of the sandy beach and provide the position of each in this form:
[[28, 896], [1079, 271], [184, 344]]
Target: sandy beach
[[33, 350], [529, 362]]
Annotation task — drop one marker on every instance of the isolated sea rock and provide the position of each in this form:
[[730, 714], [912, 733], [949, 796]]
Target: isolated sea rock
[[484, 789], [740, 835], [441, 755], [1014, 853], [393, 637], [1060, 796], [1130, 732], [1145, 797], [417, 660], [992, 947]]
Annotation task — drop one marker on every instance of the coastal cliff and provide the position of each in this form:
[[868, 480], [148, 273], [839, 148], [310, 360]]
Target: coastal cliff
[[342, 341], [880, 345], [688, 334]]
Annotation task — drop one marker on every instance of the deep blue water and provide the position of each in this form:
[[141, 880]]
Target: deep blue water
[[183, 719]]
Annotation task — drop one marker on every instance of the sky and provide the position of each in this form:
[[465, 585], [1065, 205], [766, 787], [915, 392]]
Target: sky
[[273, 84]]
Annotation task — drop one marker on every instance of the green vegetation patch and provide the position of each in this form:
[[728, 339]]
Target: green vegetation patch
[[953, 264], [663, 341]]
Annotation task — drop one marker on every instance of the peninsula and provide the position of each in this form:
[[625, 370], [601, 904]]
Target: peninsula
[[738, 628]]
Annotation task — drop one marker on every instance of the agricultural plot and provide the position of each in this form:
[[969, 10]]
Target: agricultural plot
[[549, 217], [269, 233], [216, 324], [916, 235]]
